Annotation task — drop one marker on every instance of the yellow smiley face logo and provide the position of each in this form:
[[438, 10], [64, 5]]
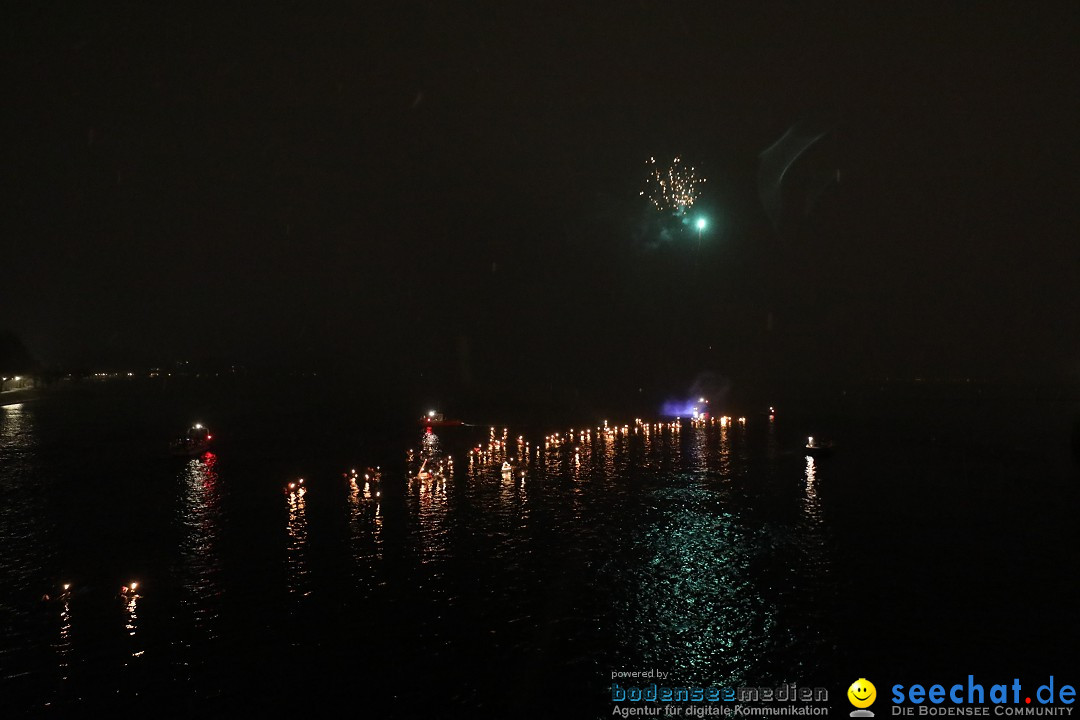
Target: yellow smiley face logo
[[862, 693]]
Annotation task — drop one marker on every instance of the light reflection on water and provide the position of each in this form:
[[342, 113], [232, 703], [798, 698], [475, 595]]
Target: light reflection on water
[[811, 503], [427, 499], [26, 558], [704, 579], [365, 518], [200, 517], [699, 455], [297, 573], [719, 554], [723, 459], [63, 644], [814, 565], [772, 447], [691, 600], [657, 516], [24, 526], [130, 600]]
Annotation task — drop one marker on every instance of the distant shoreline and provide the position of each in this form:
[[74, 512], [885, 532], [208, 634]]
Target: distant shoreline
[[15, 397]]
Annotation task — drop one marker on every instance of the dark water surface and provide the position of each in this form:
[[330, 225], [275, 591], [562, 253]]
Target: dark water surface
[[939, 540]]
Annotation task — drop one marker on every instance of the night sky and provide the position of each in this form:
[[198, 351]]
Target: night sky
[[452, 189]]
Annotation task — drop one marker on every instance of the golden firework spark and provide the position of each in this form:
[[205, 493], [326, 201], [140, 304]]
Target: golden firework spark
[[672, 189]]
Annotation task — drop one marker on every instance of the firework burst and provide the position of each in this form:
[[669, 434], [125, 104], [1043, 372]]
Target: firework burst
[[672, 189]]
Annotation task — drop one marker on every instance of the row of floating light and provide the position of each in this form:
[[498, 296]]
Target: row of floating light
[[497, 449], [295, 489], [371, 476], [126, 593], [298, 487]]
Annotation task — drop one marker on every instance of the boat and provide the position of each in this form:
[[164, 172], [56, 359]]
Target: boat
[[424, 474], [818, 448], [437, 419], [195, 442]]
